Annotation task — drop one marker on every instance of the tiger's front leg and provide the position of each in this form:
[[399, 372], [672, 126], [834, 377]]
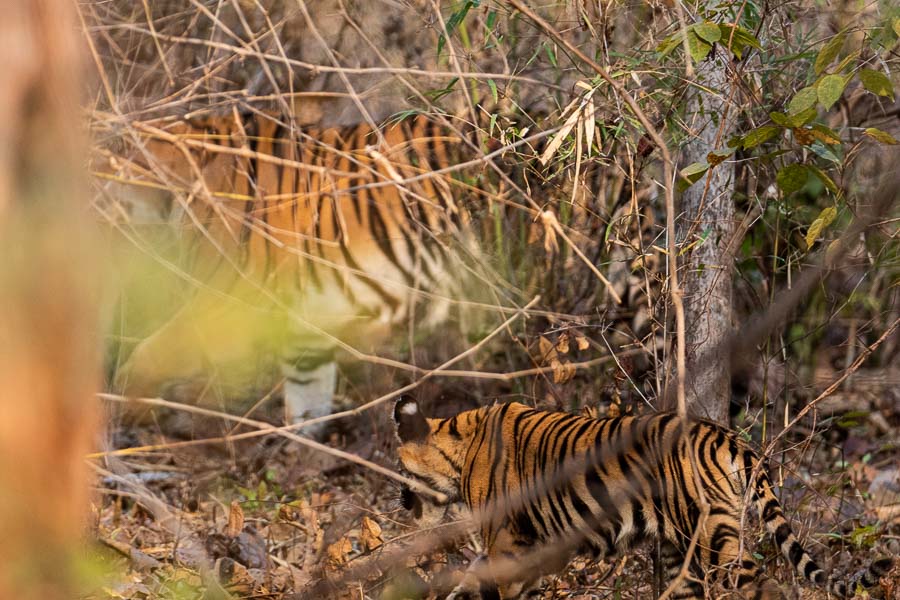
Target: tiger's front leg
[[309, 383], [512, 568], [495, 579]]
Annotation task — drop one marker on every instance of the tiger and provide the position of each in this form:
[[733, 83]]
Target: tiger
[[544, 486], [346, 232]]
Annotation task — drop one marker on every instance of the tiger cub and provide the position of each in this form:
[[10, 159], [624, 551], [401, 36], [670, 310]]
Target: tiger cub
[[544, 485]]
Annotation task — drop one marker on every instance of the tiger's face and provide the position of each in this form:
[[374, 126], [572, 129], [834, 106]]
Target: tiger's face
[[431, 451]]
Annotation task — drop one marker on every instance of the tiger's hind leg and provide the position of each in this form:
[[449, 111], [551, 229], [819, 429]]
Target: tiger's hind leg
[[672, 558], [721, 552]]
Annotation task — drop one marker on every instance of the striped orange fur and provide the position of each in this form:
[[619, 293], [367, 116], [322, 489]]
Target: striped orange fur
[[546, 484]]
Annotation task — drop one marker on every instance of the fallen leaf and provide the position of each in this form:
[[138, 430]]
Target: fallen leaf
[[338, 552], [582, 342], [370, 534], [562, 343], [235, 520]]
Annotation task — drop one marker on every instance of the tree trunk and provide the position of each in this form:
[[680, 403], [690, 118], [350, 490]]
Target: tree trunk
[[707, 221], [48, 303]]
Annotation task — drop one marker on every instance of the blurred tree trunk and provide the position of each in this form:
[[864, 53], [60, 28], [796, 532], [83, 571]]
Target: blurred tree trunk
[[48, 302], [707, 221]]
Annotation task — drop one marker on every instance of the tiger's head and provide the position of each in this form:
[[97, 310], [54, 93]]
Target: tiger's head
[[431, 452]]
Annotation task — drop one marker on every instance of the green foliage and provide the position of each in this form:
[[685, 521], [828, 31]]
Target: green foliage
[[691, 174], [830, 89], [825, 218], [454, 21], [759, 136], [877, 83], [803, 100], [829, 52], [880, 136], [792, 178], [701, 37]]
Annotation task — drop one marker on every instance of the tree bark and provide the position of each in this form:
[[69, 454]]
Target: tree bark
[[49, 363], [707, 222]]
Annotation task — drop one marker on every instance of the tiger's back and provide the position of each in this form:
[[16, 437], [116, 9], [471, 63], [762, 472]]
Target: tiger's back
[[546, 484]]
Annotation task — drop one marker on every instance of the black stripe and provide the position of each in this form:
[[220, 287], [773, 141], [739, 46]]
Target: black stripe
[[782, 534], [795, 553]]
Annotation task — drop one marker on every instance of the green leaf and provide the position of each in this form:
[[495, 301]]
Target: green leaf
[[708, 31], [491, 19], [877, 83], [780, 119], [493, 86], [792, 178], [691, 174], [881, 136], [436, 95], [846, 62], [804, 117], [803, 100], [830, 89], [697, 47], [551, 54], [828, 181], [829, 52], [454, 21], [737, 39], [670, 43], [825, 218], [759, 136], [823, 151], [801, 118]]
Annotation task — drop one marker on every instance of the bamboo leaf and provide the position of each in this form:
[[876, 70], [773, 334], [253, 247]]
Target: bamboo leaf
[[590, 123], [493, 85], [564, 131]]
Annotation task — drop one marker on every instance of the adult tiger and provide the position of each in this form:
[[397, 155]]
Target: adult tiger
[[342, 233], [545, 484]]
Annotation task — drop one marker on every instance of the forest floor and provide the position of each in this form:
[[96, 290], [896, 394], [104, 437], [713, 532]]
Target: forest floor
[[267, 518]]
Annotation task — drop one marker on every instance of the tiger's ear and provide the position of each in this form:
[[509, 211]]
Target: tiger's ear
[[411, 423]]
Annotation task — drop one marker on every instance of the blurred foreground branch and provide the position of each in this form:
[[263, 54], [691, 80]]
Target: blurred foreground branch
[[48, 342]]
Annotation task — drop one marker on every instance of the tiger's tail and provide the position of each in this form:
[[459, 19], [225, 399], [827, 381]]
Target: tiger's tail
[[777, 525]]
